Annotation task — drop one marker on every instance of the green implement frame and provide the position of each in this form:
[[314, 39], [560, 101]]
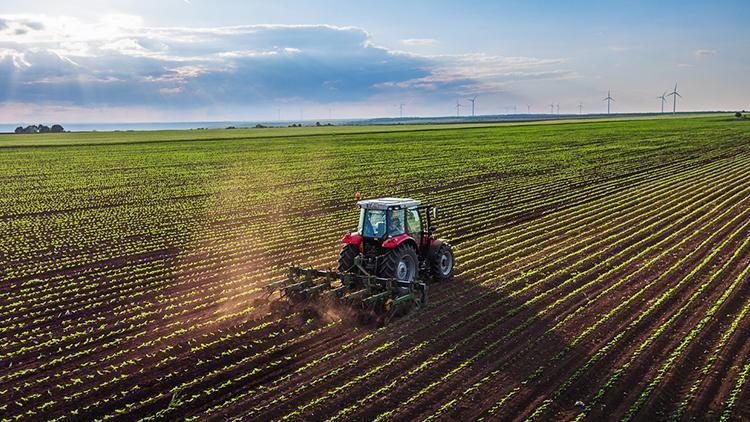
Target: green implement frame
[[358, 290]]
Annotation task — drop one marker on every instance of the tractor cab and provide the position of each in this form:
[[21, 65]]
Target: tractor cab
[[399, 219], [388, 217], [394, 238]]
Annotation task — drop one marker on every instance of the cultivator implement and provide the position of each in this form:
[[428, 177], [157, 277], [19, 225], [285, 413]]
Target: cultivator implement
[[376, 295]]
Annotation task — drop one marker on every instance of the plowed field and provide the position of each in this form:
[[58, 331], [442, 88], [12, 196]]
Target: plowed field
[[602, 272]]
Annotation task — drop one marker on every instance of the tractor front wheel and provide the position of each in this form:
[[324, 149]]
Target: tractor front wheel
[[401, 263], [441, 263]]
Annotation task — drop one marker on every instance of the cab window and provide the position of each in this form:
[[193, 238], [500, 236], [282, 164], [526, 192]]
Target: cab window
[[413, 223], [372, 223], [395, 222]]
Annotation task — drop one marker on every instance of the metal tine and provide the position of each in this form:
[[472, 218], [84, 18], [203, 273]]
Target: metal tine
[[359, 294], [377, 297]]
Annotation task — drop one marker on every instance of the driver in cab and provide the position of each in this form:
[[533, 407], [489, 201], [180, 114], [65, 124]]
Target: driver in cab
[[397, 226]]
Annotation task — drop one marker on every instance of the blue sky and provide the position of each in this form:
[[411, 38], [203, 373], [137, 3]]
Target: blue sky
[[167, 60]]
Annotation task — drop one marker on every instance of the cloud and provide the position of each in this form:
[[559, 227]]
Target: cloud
[[617, 49], [703, 53], [19, 26], [685, 65], [175, 90], [117, 62], [474, 73], [418, 42]]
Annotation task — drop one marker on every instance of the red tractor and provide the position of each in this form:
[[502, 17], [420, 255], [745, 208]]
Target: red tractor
[[391, 241], [384, 264]]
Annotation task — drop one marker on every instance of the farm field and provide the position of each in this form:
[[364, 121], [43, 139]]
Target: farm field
[[600, 262]]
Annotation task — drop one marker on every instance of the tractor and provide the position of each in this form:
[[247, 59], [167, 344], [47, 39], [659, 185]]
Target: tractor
[[384, 266]]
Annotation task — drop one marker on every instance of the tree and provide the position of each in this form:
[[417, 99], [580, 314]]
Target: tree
[[57, 129], [43, 129], [19, 129], [738, 115]]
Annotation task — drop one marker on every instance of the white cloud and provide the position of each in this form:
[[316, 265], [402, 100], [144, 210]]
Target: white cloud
[[418, 42], [471, 73], [617, 49], [125, 46], [16, 57], [175, 90], [704, 53]]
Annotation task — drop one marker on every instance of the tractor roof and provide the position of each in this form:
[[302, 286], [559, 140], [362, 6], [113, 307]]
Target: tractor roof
[[388, 203]]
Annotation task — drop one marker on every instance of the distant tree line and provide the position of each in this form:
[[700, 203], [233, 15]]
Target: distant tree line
[[40, 129]]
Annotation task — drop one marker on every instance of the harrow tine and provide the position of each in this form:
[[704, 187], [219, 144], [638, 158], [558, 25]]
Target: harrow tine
[[373, 299], [317, 289], [390, 314], [275, 286], [358, 295], [402, 299], [338, 291], [301, 286]]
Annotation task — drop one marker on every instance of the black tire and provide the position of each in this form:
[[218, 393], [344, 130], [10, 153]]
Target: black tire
[[346, 259], [400, 263], [442, 262]]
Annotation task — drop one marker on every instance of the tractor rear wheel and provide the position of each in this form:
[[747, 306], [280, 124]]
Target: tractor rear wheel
[[346, 259], [441, 263], [401, 263]]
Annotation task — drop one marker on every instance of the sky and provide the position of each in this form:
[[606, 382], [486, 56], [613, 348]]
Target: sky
[[201, 60]]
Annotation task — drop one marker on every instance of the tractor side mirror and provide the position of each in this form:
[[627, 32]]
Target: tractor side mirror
[[434, 213]]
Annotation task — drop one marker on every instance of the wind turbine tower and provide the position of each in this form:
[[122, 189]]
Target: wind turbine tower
[[663, 99], [609, 99], [580, 108], [674, 94], [458, 109], [551, 109], [472, 101], [401, 110], [558, 108], [528, 108]]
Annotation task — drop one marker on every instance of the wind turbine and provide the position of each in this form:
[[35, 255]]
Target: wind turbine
[[528, 108], [458, 109], [674, 94], [401, 110], [580, 108], [663, 98], [515, 110], [558, 108], [551, 109], [609, 99], [472, 101]]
